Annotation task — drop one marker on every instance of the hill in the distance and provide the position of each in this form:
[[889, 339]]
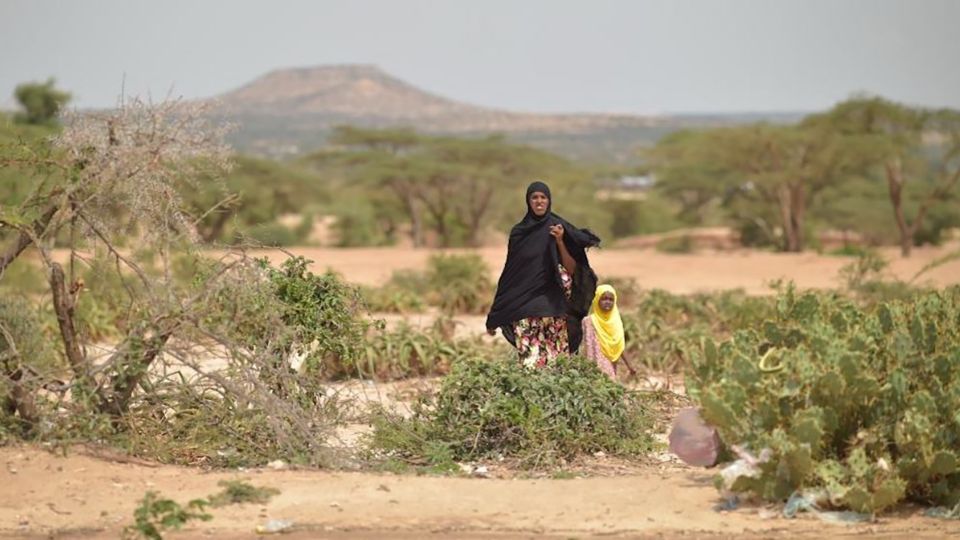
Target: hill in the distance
[[290, 111]]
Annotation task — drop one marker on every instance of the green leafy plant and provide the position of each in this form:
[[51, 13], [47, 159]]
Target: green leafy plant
[[406, 351], [318, 309], [663, 327], [155, 515], [454, 283], [865, 279], [240, 492], [539, 417], [858, 402], [459, 283]]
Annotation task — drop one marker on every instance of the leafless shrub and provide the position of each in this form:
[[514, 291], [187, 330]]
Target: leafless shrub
[[200, 371]]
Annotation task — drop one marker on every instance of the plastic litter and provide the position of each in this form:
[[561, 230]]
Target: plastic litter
[[808, 502], [277, 465], [746, 465], [943, 512], [727, 504], [799, 502], [275, 526], [692, 440]]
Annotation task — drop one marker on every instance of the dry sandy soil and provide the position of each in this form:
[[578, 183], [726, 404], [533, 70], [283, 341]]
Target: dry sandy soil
[[93, 496], [749, 270]]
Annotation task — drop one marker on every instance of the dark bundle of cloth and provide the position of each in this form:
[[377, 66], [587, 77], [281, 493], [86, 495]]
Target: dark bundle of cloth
[[530, 284]]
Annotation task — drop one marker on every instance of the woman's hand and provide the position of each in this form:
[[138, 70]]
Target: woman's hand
[[556, 231]]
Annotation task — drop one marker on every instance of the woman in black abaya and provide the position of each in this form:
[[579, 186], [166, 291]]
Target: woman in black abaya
[[547, 284]]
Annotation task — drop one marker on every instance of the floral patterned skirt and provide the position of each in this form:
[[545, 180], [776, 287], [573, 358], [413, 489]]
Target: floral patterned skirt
[[541, 339]]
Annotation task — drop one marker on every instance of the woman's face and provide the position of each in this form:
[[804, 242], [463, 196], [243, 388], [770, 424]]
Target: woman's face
[[539, 203], [607, 300]]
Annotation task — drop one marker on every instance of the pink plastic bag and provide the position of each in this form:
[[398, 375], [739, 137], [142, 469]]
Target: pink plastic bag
[[692, 440]]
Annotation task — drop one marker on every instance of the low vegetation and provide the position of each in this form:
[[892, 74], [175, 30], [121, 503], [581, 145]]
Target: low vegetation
[[452, 283], [156, 515], [240, 492], [499, 409], [856, 403]]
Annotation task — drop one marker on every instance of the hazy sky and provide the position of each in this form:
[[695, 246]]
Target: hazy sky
[[626, 56]]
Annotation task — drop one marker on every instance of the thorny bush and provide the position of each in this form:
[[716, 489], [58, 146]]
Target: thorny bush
[[208, 361]]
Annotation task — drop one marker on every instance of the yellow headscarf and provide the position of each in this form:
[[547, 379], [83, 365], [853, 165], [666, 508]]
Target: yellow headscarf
[[608, 325]]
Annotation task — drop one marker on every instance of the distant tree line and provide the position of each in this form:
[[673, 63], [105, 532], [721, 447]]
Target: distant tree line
[[868, 166], [833, 166]]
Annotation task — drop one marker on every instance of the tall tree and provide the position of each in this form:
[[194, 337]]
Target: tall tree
[[916, 151], [41, 102], [781, 168], [454, 186], [383, 157]]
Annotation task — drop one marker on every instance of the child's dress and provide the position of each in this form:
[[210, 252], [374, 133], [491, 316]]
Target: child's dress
[[603, 335], [593, 352]]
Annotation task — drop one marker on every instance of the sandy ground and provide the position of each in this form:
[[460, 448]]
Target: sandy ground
[[749, 270], [45, 495], [678, 273]]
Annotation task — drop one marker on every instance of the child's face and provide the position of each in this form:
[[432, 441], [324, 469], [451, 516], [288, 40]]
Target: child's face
[[607, 300]]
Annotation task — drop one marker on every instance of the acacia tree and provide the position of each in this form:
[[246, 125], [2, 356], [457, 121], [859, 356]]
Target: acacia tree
[[450, 185], [383, 158], [41, 102], [254, 192], [687, 173], [780, 167], [916, 151]]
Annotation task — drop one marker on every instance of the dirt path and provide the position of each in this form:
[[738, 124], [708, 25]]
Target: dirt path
[[84, 496], [749, 270]]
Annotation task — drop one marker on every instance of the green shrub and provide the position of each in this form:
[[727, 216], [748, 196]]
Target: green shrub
[[23, 276], [540, 417], [27, 361], [392, 300], [240, 492], [318, 309], [304, 228], [459, 283], [155, 515], [865, 280], [22, 336], [861, 403], [249, 406], [403, 293], [454, 283], [663, 327], [406, 351]]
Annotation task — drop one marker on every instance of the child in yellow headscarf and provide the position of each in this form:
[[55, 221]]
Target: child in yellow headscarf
[[603, 331]]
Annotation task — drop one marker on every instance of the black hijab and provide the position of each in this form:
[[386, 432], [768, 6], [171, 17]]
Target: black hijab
[[530, 285]]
